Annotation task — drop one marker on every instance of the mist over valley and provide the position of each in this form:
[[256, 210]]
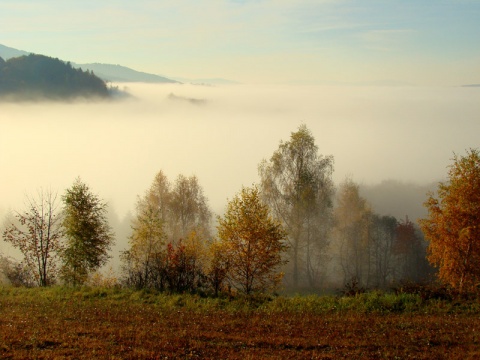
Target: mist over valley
[[406, 135]]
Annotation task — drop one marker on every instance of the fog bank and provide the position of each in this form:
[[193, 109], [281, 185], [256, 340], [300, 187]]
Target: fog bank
[[221, 134]]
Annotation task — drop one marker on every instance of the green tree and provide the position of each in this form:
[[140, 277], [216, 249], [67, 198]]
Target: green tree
[[452, 225], [37, 233], [88, 234], [296, 184], [253, 243]]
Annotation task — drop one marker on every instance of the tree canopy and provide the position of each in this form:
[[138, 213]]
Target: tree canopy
[[88, 235], [252, 242], [296, 184], [452, 225]]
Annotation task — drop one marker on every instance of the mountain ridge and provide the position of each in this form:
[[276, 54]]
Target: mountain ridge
[[7, 52], [120, 73]]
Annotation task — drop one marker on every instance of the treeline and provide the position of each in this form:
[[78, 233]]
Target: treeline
[[36, 76], [294, 229]]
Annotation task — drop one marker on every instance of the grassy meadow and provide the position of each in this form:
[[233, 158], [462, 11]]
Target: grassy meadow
[[98, 323]]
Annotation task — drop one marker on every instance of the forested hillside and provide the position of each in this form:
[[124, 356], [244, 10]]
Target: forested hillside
[[38, 76]]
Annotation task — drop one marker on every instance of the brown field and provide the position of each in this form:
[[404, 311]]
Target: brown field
[[75, 326]]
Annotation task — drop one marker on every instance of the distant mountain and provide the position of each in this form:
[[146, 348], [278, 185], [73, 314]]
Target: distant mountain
[[37, 77], [117, 73], [471, 85], [8, 52]]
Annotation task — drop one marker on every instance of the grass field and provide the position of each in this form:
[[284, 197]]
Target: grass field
[[94, 323]]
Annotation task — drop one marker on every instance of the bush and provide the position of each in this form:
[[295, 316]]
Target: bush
[[427, 291], [16, 273], [352, 288]]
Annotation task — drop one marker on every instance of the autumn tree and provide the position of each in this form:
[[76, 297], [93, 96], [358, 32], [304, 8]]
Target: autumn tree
[[253, 243], [452, 225], [37, 233], [147, 247], [189, 209], [351, 233], [297, 186], [181, 207], [170, 219], [88, 234], [158, 198], [184, 264]]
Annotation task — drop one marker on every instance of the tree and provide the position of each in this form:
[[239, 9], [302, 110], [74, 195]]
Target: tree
[[168, 222], [296, 184], [352, 237], [217, 267], [252, 241], [410, 252], [182, 208], [88, 235], [382, 235], [188, 208], [452, 225], [147, 244], [37, 234], [158, 197], [184, 264]]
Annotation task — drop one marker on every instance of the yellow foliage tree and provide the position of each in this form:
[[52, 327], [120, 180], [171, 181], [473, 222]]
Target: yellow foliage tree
[[147, 247], [452, 226], [253, 243]]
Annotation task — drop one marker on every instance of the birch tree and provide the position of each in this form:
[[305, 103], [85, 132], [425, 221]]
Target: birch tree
[[297, 186]]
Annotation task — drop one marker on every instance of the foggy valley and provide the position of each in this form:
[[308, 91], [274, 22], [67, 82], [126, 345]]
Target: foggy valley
[[394, 141], [239, 179]]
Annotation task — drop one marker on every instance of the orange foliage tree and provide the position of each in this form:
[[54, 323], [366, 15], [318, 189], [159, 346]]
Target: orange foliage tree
[[452, 226], [253, 243]]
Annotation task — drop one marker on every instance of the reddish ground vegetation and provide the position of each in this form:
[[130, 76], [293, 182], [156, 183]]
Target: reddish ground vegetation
[[38, 328]]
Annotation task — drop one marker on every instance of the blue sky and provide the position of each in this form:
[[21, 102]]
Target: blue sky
[[432, 42]]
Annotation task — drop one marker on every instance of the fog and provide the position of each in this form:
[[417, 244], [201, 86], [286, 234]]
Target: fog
[[220, 134]]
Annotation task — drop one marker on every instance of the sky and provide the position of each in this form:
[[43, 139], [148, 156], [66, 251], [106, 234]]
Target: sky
[[416, 42]]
